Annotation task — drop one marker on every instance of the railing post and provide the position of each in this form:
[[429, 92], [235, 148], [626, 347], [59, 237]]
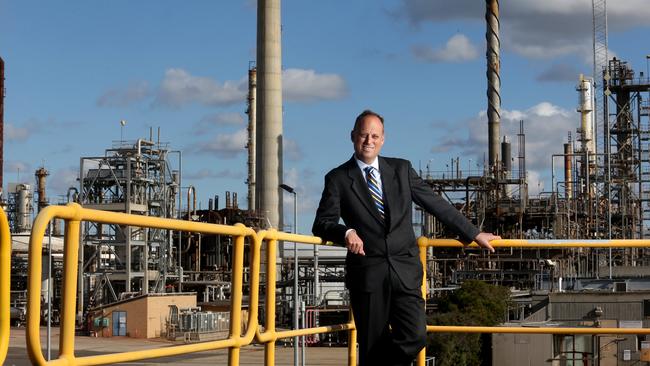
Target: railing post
[[236, 298], [70, 267], [422, 245], [269, 347], [5, 284], [352, 342]]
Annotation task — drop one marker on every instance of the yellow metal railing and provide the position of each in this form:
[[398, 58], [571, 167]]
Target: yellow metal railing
[[424, 242], [73, 214], [269, 336], [5, 284]]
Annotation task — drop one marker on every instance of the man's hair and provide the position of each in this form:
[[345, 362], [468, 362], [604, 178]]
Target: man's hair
[[365, 114]]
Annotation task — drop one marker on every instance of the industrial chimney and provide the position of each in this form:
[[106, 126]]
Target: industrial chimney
[[494, 80], [41, 175], [269, 112]]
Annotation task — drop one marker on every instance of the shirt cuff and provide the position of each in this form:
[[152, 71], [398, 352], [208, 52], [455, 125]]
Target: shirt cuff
[[348, 231]]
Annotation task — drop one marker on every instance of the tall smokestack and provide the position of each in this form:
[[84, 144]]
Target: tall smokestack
[[269, 111], [2, 121], [252, 139], [41, 175], [506, 155], [494, 80]]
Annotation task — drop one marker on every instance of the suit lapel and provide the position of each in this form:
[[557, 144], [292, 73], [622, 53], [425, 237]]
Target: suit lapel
[[388, 185], [360, 188]]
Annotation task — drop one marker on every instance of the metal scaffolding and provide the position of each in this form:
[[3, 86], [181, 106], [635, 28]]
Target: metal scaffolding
[[132, 177]]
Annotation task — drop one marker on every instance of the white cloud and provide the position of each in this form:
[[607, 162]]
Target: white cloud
[[179, 87], [208, 122], [458, 48], [226, 145], [292, 150], [233, 118], [132, 93], [308, 192], [299, 85], [545, 126], [536, 29], [559, 72], [61, 180], [546, 109], [15, 133], [535, 183], [19, 168]]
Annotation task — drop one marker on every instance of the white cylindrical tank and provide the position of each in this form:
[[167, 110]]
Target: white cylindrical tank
[[23, 207], [586, 95]]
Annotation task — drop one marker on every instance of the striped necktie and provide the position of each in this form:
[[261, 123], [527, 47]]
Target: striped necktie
[[375, 192]]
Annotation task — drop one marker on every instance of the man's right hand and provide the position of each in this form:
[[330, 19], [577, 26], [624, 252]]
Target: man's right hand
[[354, 243]]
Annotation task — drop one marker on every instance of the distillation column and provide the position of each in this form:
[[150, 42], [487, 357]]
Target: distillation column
[[252, 143], [41, 176]]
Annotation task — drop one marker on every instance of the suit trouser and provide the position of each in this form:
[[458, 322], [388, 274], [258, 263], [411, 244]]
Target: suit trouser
[[392, 305]]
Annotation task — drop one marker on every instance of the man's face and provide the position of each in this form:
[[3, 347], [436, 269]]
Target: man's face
[[368, 138]]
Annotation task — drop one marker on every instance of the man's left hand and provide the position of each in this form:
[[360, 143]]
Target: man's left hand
[[483, 240]]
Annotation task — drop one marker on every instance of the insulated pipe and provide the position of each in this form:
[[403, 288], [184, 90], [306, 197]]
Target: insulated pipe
[[494, 80], [568, 169], [142, 142], [269, 111], [191, 191]]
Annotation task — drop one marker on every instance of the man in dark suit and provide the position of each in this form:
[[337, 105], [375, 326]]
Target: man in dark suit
[[374, 195]]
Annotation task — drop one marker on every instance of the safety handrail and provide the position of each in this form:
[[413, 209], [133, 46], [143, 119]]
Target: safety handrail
[[269, 336], [73, 214], [424, 242], [5, 285]]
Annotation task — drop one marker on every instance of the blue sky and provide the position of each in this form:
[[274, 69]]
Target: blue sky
[[74, 69]]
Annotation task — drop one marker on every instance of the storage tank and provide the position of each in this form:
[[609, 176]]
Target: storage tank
[[23, 207]]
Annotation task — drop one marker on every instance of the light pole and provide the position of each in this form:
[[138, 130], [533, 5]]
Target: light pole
[[296, 299], [122, 124]]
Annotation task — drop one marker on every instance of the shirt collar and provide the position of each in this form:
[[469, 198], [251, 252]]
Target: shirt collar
[[362, 165]]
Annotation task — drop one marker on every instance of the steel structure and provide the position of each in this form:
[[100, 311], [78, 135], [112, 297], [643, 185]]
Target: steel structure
[[599, 37], [136, 178], [594, 196]]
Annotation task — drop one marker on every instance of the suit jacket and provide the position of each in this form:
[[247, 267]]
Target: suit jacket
[[390, 241]]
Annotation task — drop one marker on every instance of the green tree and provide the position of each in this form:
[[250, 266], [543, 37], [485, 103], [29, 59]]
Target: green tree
[[474, 303]]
